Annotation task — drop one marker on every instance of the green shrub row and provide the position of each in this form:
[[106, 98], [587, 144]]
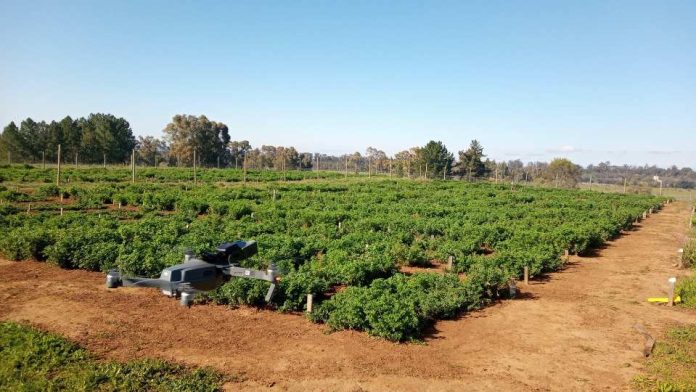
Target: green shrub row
[[398, 308]]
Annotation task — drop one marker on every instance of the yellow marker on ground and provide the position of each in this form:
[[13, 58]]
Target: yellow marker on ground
[[664, 300]]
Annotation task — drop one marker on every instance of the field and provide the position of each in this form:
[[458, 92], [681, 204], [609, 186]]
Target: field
[[351, 235], [373, 251]]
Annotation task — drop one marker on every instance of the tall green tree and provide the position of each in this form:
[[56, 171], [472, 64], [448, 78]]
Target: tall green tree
[[151, 151], [238, 149], [561, 172], [186, 133], [105, 136], [436, 158], [54, 138], [403, 162], [12, 140], [72, 137], [33, 134], [306, 160], [377, 159], [471, 160]]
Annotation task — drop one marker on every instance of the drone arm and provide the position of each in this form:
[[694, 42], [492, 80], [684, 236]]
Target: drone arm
[[115, 279], [269, 275], [239, 272]]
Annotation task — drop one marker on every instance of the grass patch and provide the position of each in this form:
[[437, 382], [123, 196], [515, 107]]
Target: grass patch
[[686, 289], [672, 366], [32, 360]]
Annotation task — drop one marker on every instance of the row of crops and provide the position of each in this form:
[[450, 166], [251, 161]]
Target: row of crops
[[115, 174], [342, 240]]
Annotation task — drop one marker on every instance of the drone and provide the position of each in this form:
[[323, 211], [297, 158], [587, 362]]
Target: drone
[[205, 273]]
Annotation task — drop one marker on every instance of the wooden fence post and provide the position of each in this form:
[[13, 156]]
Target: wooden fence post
[[58, 175], [133, 166], [244, 167], [526, 275], [450, 262], [194, 167]]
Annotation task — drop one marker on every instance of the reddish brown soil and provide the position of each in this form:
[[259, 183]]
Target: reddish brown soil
[[570, 331]]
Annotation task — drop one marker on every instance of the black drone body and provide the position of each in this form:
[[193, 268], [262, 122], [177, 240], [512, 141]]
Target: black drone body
[[202, 274]]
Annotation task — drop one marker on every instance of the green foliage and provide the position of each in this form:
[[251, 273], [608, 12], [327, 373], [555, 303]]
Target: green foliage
[[686, 289], [31, 360], [49, 190], [25, 243], [471, 160], [92, 248], [296, 285], [561, 172], [94, 138], [149, 245], [400, 307], [689, 255], [240, 292], [436, 157]]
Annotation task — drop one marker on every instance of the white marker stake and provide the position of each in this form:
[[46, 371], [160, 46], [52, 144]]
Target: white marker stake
[[671, 282], [310, 303]]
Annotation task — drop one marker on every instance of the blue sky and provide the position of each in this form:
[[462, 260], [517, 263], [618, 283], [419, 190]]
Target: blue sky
[[589, 80]]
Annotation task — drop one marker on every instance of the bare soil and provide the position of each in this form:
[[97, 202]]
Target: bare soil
[[571, 330]]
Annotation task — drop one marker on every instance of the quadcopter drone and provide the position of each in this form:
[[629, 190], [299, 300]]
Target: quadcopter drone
[[196, 275]]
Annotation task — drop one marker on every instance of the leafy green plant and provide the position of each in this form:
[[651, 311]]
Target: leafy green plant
[[25, 243], [686, 289], [48, 190], [689, 255]]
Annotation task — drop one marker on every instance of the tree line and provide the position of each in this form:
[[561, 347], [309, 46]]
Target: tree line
[[107, 139], [97, 138]]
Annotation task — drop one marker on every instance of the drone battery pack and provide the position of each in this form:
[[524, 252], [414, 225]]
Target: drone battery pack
[[238, 250]]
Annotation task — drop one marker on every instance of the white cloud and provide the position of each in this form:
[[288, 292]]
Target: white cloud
[[565, 148]]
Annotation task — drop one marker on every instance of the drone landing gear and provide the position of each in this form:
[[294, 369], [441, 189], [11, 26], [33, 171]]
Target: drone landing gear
[[113, 280], [186, 299]]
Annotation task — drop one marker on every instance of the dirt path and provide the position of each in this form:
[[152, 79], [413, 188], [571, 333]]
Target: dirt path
[[573, 331]]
